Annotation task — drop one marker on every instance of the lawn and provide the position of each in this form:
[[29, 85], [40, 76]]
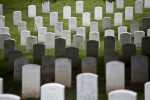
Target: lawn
[[22, 5]]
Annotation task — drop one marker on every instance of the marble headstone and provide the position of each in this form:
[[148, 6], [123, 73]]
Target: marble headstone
[[58, 28], [23, 35], [106, 23], [53, 18], [118, 19], [81, 31], [1, 9], [128, 13], [125, 38], [109, 7], [98, 13], [134, 26], [50, 40], [120, 4], [46, 7], [139, 7], [94, 27], [121, 29], [3, 37], [72, 24], [38, 22], [138, 35], [66, 12], [22, 25], [78, 41], [86, 19], [41, 34], [30, 41], [31, 11], [79, 7], [17, 17]]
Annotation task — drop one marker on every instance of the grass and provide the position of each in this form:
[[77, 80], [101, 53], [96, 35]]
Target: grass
[[22, 5]]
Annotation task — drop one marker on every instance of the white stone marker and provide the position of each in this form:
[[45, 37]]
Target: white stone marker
[[87, 86], [94, 27], [9, 97], [146, 3], [17, 17], [38, 22], [138, 35], [53, 18], [46, 7], [109, 33], [94, 36], [30, 41], [52, 91], [3, 37], [32, 11], [1, 85], [58, 28], [50, 40], [81, 31], [122, 95], [31, 80], [86, 19], [128, 13], [121, 29], [41, 34], [67, 35], [124, 39], [78, 41], [109, 7], [22, 26], [63, 71], [98, 13], [147, 91], [120, 4], [118, 19], [115, 71], [148, 32], [1, 9], [24, 34], [2, 21], [139, 7], [72, 24], [4, 30], [66, 12], [79, 7], [106, 23]]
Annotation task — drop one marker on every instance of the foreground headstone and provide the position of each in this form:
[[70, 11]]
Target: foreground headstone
[[87, 86], [53, 18], [17, 17], [138, 35], [120, 4], [86, 19], [139, 7], [52, 91], [31, 80], [9, 97], [115, 71], [129, 13], [109, 43], [81, 31], [4, 30], [79, 7], [118, 19], [66, 12], [50, 40], [94, 36], [122, 95], [111, 56], [38, 22], [109, 33], [146, 45], [134, 26], [1, 85], [94, 27], [46, 7], [73, 24], [63, 69], [147, 90], [2, 21], [22, 25], [32, 11], [121, 29], [41, 34], [1, 9], [106, 23], [98, 13], [146, 4], [78, 41], [23, 37], [109, 7], [3, 37], [124, 39], [30, 41], [145, 24], [67, 35], [59, 28]]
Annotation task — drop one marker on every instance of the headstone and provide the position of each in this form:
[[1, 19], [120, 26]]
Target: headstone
[[4, 30], [146, 4], [128, 51], [30, 41], [67, 35], [9, 45], [98, 13], [146, 45], [23, 35], [106, 23], [48, 69], [9, 97], [22, 25], [124, 39], [81, 31], [31, 79], [46, 7], [122, 94], [134, 26], [18, 63], [38, 52], [2, 21], [73, 54], [50, 40], [12, 55], [58, 28], [139, 7], [87, 86], [1, 9], [53, 18], [94, 36], [145, 24], [60, 45], [121, 29], [63, 69], [73, 24], [111, 56], [147, 90], [78, 41], [109, 33], [41, 34], [92, 48], [79, 7], [17, 17], [38, 22], [120, 4], [138, 35], [118, 19], [94, 27], [66, 12], [109, 43], [148, 32], [86, 19], [3, 37], [115, 71], [128, 13], [52, 91], [89, 65], [1, 85], [109, 7], [32, 11]]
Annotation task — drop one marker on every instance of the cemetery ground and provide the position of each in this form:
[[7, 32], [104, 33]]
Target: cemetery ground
[[22, 5]]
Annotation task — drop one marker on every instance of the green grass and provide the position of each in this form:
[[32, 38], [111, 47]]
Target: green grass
[[22, 5]]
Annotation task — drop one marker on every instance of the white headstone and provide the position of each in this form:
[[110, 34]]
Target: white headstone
[[30, 41], [128, 13], [1, 85], [66, 12], [38, 22], [138, 35], [67, 35], [1, 9], [17, 17], [2, 21], [86, 19], [79, 7], [9, 97], [118, 19], [24, 34], [98, 13], [109, 7], [4, 30], [121, 29], [94, 27], [3, 37], [50, 40], [147, 91], [146, 3], [46, 7], [58, 28], [124, 39], [78, 41], [106, 23], [53, 18], [31, 11], [94, 36], [120, 4], [41, 34], [139, 7], [81, 31], [148, 32], [22, 26], [109, 33], [73, 24]]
